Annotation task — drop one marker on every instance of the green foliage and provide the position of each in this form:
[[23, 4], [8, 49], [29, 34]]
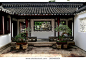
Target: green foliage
[[28, 29], [61, 37], [20, 37], [68, 0], [52, 1], [63, 28]]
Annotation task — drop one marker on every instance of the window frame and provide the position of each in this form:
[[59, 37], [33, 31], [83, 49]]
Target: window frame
[[42, 30]]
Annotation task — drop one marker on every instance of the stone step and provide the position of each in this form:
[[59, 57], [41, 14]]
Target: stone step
[[42, 44], [39, 43]]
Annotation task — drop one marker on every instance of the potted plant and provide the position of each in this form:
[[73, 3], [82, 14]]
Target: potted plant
[[20, 38], [64, 29]]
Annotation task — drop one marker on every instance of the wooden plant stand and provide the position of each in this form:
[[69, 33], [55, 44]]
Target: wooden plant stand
[[65, 46], [58, 46], [21, 45], [25, 46], [17, 46]]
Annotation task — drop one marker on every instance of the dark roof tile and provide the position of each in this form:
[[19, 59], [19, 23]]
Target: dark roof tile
[[82, 8], [42, 8]]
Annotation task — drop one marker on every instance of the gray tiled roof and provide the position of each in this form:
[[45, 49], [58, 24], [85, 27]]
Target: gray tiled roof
[[81, 9], [42, 8], [5, 10]]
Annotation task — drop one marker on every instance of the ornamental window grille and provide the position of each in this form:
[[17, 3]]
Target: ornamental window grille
[[42, 26], [83, 25]]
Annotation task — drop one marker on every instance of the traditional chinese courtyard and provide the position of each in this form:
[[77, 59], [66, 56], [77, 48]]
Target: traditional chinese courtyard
[[32, 51]]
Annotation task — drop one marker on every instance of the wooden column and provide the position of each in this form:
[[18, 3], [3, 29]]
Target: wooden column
[[26, 20], [30, 26], [73, 27], [11, 27], [58, 21], [3, 23], [55, 27]]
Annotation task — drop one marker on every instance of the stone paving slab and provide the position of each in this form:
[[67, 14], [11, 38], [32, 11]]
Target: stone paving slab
[[45, 52]]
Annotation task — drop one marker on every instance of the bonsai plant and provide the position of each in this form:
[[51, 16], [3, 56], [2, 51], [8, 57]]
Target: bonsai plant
[[20, 38], [64, 29]]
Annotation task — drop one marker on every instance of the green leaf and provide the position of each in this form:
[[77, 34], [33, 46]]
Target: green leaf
[[63, 28]]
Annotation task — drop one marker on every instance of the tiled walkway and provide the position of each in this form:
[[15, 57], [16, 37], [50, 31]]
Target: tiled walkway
[[45, 52]]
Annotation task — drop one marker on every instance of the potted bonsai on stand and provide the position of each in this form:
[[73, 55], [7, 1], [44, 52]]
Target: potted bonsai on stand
[[20, 40], [65, 30]]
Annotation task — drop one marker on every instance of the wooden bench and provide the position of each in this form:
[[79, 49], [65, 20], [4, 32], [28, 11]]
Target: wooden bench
[[53, 39], [32, 39]]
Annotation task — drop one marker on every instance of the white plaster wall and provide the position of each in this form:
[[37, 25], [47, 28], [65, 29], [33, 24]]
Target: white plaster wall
[[5, 39], [56, 32], [79, 37], [42, 34]]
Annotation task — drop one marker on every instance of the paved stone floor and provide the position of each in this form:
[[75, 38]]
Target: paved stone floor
[[45, 52]]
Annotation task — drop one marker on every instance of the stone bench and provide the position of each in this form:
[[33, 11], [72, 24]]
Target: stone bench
[[53, 39], [32, 39], [68, 38]]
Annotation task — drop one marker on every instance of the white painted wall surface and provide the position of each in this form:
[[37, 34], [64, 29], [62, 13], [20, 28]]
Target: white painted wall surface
[[79, 37], [42, 34], [5, 39]]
